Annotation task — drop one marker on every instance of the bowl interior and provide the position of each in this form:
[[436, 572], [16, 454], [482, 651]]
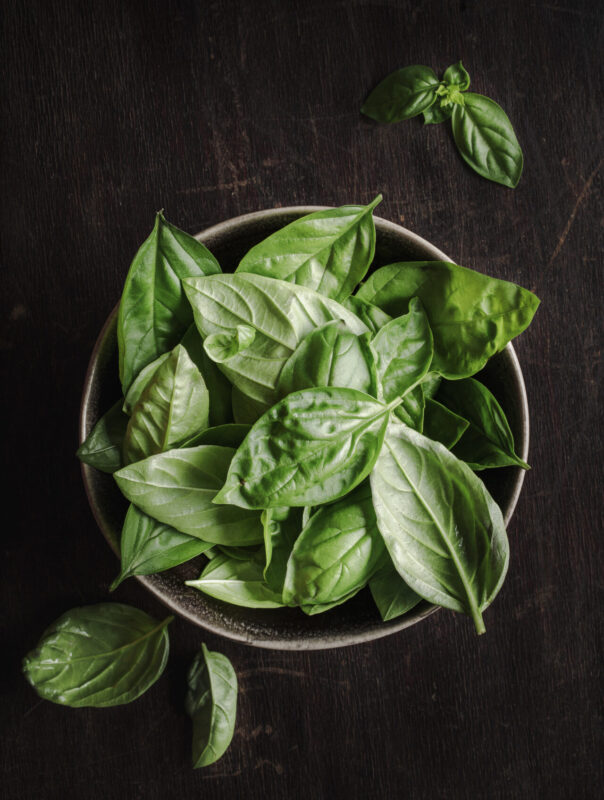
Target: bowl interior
[[357, 620]]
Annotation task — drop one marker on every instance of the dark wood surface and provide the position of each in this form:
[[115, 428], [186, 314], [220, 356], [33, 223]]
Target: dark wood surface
[[212, 109]]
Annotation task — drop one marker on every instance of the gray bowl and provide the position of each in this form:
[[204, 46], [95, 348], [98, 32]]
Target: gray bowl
[[288, 628]]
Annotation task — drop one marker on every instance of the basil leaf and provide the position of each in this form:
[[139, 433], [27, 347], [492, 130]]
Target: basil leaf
[[321, 608], [238, 582], [140, 383], [282, 527], [437, 114], [372, 316], [402, 95], [329, 251], [430, 384], [411, 410], [391, 594], [246, 409], [486, 140], [222, 346], [103, 446], [403, 350], [488, 441], [177, 488], [230, 435], [330, 356], [312, 447], [444, 532], [457, 75], [211, 702], [148, 546], [101, 655], [173, 407], [218, 386], [241, 553], [472, 316], [154, 313], [281, 313], [443, 425], [337, 552]]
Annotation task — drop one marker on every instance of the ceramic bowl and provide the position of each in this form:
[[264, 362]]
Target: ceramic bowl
[[288, 628]]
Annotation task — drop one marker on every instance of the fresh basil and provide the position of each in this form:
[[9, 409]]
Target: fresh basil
[[101, 655], [437, 114], [457, 75], [282, 526], [443, 425], [140, 383], [238, 582], [219, 387], [229, 435], [320, 608], [411, 410], [103, 446], [211, 702], [372, 316], [222, 346], [402, 95], [391, 594], [246, 409]]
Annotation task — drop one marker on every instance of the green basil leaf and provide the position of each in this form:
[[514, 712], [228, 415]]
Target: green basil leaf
[[437, 114], [321, 608], [312, 447], [373, 317], [443, 530], [246, 409], [101, 655], [230, 435], [402, 95], [337, 552], [140, 383], [211, 702], [330, 356], [237, 582], [457, 75], [218, 386], [148, 546], [430, 384], [222, 346], [281, 313], [443, 425], [472, 316], [486, 140], [329, 251], [282, 527], [103, 446], [488, 440], [177, 488], [154, 312], [391, 594], [411, 410], [242, 553], [172, 408]]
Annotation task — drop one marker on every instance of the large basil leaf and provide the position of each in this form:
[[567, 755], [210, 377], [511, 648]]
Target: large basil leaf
[[486, 140], [148, 546], [246, 409], [442, 424], [177, 488], [281, 313], [472, 316], [211, 702], [229, 435], [330, 356], [329, 251], [373, 317], [173, 407], [403, 350], [103, 446], [282, 527], [337, 552], [391, 594], [238, 582], [402, 95], [101, 655], [154, 312], [443, 530], [488, 440], [312, 447]]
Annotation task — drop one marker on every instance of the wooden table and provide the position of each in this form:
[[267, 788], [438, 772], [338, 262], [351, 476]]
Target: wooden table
[[212, 109]]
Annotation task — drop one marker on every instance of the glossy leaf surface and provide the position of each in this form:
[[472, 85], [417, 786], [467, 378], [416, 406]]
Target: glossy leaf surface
[[457, 75], [372, 316], [391, 594], [229, 435], [220, 347], [103, 446], [282, 526], [238, 582], [402, 95], [443, 425]]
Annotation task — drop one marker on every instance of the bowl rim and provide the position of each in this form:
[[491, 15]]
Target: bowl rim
[[325, 640]]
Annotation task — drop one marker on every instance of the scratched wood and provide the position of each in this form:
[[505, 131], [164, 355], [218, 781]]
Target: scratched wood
[[115, 109]]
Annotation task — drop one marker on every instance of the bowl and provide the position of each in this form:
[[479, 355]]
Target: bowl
[[288, 628]]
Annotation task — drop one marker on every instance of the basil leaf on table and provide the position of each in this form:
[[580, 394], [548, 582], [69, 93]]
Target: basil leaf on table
[[391, 594], [372, 316], [100, 655], [154, 312], [311, 447], [443, 425], [173, 407], [329, 251], [246, 410], [402, 95], [486, 140], [457, 75], [330, 356], [443, 530], [103, 446], [229, 435], [488, 441], [211, 702], [337, 552], [282, 526], [177, 488], [148, 546], [238, 582], [281, 313], [472, 316]]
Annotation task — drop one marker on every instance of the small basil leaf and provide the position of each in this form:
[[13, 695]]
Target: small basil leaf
[[211, 702], [140, 383], [328, 251], [391, 594], [437, 114], [246, 409], [218, 386], [442, 424], [402, 95], [230, 435], [154, 312], [103, 446], [486, 140], [373, 317], [488, 440], [457, 75], [101, 655], [321, 608], [411, 410], [148, 546], [177, 488], [312, 447], [241, 553], [282, 527], [238, 582], [222, 346]]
